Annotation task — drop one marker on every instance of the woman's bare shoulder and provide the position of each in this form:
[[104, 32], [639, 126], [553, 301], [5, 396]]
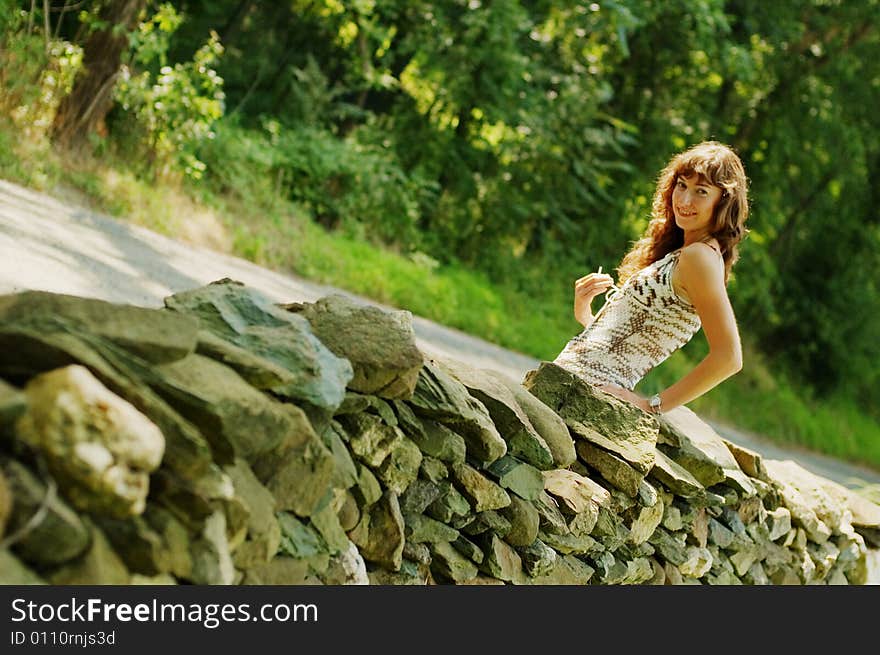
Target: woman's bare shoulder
[[700, 262]]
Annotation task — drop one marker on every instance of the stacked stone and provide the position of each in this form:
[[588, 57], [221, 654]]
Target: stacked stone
[[692, 508], [225, 439]]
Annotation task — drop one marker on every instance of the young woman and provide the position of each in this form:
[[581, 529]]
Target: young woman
[[674, 280]]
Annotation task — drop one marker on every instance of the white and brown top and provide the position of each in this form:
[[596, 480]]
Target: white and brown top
[[639, 326]]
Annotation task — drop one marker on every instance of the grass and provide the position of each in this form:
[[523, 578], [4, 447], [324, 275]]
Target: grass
[[279, 235]]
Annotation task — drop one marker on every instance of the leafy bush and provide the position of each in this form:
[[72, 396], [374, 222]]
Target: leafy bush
[[175, 109]]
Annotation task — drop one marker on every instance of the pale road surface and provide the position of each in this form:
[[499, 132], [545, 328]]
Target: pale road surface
[[54, 246]]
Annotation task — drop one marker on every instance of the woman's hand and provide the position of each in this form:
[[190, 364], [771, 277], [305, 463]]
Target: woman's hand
[[626, 395], [587, 288]]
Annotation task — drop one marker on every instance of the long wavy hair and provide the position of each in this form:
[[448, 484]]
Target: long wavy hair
[[721, 166]]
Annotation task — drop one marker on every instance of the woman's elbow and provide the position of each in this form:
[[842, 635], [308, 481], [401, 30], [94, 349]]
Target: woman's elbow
[[730, 360], [735, 361]]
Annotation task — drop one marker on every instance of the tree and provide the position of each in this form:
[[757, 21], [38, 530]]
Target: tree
[[81, 112]]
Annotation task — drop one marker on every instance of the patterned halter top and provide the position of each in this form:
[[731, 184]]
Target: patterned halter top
[[639, 326]]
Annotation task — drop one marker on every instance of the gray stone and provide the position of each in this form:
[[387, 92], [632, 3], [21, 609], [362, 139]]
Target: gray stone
[[284, 570], [418, 553], [524, 522], [645, 522], [370, 439], [469, 549], [380, 344], [696, 446], [523, 441], [345, 474], [551, 517], [726, 579], [5, 503], [501, 560], [447, 562], [742, 561], [352, 403], [401, 467], [613, 468], [733, 521], [756, 575], [383, 409], [519, 477], [569, 544], [596, 416], [478, 489], [407, 576], [423, 529], [346, 568], [299, 473], [676, 479], [441, 397], [433, 469], [449, 504], [671, 546], [211, 559], [153, 335], [99, 565], [176, 541], [187, 453], [804, 494], [298, 539], [326, 522], [751, 463], [648, 496], [380, 534], [567, 570], [348, 511], [418, 496], [13, 404], [237, 419], [610, 530], [368, 490], [824, 556], [14, 572], [43, 530], [544, 420], [250, 320], [490, 521], [742, 483], [672, 518], [436, 440], [263, 534], [259, 372], [697, 562], [538, 559], [99, 447]]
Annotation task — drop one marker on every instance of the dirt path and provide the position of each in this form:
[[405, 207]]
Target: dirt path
[[56, 246]]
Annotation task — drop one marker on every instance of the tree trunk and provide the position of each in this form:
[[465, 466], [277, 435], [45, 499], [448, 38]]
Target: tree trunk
[[84, 109]]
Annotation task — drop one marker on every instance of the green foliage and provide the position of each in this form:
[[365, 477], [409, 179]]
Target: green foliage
[[174, 110]]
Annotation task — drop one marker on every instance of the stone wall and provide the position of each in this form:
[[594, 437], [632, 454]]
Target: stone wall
[[225, 439]]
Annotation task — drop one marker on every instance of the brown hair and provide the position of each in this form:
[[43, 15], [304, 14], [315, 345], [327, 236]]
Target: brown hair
[[721, 166]]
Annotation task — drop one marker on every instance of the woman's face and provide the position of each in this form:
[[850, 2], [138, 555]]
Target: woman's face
[[693, 202]]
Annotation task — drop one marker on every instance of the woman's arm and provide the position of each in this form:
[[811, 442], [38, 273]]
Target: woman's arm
[[701, 273]]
